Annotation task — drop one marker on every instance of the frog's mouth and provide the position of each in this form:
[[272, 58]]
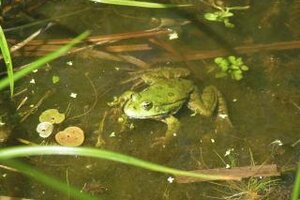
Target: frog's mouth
[[131, 113]]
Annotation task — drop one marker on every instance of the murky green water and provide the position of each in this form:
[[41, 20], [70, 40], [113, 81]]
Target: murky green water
[[263, 106]]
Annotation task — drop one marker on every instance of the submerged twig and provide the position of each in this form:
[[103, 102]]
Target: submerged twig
[[100, 141], [206, 54], [37, 105], [236, 173], [28, 39]]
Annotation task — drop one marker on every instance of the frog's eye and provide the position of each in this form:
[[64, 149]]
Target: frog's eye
[[146, 105]]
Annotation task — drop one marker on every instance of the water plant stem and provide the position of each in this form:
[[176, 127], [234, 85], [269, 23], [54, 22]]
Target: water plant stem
[[14, 152], [296, 190]]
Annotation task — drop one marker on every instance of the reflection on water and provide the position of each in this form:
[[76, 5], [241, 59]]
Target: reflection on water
[[263, 106]]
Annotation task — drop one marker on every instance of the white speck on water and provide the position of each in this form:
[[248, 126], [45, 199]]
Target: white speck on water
[[171, 179], [234, 100], [113, 134], [32, 81], [228, 152], [70, 63], [73, 95], [212, 140], [223, 116], [173, 35]]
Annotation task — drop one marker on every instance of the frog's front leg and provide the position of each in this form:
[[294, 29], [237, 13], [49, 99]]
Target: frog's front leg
[[172, 129], [121, 100]]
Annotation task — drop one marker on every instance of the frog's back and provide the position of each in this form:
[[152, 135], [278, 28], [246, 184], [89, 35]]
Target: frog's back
[[172, 90]]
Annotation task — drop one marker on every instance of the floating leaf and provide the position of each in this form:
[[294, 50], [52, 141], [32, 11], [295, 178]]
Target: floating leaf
[[44, 129], [211, 16], [52, 116], [244, 68], [72, 137]]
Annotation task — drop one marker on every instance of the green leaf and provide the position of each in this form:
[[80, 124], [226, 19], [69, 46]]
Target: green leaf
[[237, 76], [15, 152], [211, 16], [141, 4], [7, 59], [232, 59], [244, 68], [218, 60], [224, 68]]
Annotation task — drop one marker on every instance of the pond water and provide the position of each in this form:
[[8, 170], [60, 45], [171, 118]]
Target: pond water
[[264, 106]]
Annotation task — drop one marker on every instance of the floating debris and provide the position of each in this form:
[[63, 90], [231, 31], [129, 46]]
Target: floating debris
[[32, 81], [70, 63], [73, 95], [55, 79], [72, 137], [52, 116], [44, 129], [171, 179]]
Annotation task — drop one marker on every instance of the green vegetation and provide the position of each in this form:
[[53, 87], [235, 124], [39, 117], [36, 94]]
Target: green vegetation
[[14, 152], [233, 66], [252, 188], [140, 4], [41, 61], [7, 59], [223, 14], [296, 191]]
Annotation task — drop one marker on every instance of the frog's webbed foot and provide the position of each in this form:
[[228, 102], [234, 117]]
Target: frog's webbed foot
[[172, 129], [223, 122]]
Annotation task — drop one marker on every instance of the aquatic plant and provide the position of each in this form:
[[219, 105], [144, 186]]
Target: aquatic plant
[[253, 188], [52, 116], [71, 137], [296, 190], [141, 4], [7, 59], [6, 154], [44, 129], [223, 14], [233, 66]]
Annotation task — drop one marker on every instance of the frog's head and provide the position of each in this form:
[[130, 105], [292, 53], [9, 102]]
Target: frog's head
[[141, 108]]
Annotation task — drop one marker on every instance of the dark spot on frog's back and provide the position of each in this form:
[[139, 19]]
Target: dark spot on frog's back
[[171, 94]]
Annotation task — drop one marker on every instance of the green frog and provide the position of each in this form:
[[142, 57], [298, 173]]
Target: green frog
[[165, 95]]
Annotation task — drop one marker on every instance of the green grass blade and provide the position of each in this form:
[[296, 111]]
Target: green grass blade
[[141, 4], [42, 61], [50, 181], [296, 190], [7, 59], [14, 152]]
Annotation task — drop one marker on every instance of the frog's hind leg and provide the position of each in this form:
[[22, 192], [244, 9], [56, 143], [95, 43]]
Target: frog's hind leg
[[204, 104], [172, 129]]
